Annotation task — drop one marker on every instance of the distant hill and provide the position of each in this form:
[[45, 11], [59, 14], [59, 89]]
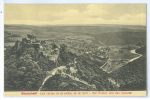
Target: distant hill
[[109, 34]]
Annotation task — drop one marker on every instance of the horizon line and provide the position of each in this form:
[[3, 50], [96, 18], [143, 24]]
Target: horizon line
[[76, 24]]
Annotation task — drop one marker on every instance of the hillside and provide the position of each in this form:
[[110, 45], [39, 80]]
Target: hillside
[[133, 75], [99, 58], [29, 61]]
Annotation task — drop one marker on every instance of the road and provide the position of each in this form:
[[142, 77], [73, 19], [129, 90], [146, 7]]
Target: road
[[108, 62], [61, 68], [134, 52]]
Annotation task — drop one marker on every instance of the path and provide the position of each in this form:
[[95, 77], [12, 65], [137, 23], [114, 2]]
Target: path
[[61, 68]]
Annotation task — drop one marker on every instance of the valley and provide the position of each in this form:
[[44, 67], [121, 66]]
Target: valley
[[75, 58]]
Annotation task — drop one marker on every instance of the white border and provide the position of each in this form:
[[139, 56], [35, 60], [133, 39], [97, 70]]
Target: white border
[[75, 1], [68, 1]]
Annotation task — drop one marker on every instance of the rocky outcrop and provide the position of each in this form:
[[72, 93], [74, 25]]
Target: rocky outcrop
[[33, 56]]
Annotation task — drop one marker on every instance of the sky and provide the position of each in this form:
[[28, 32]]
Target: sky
[[63, 14]]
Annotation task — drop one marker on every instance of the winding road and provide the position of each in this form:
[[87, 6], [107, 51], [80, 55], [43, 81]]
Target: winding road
[[134, 52], [56, 70], [107, 64], [61, 68]]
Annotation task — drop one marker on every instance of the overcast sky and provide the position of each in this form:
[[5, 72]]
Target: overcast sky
[[50, 14]]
